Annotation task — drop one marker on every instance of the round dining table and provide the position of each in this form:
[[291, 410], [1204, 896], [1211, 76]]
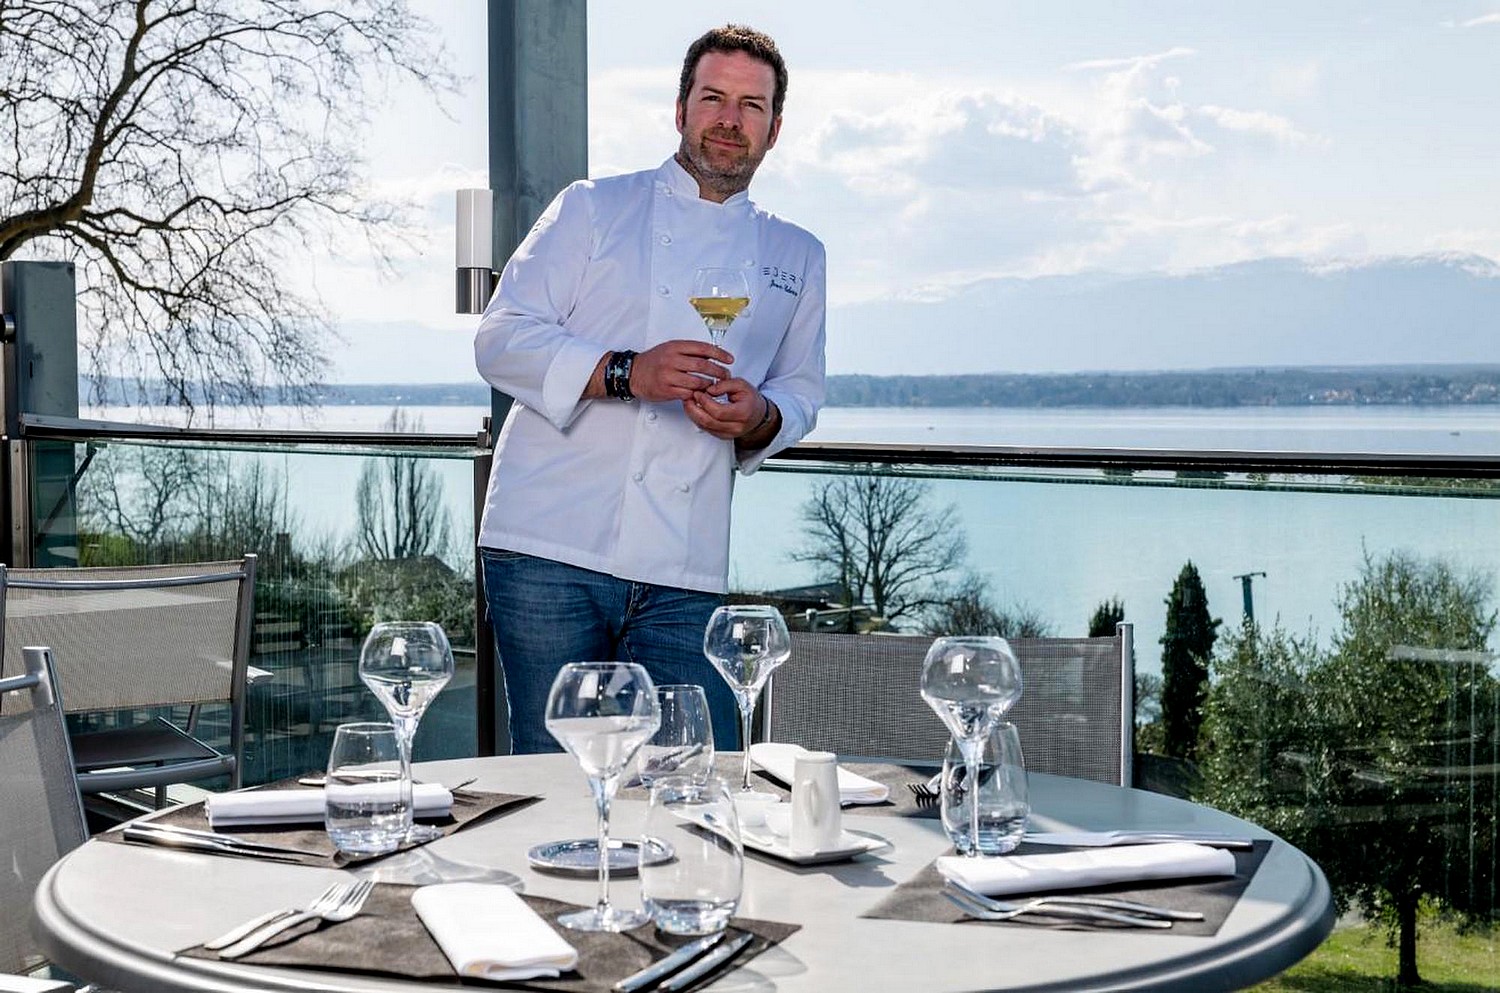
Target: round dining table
[[120, 914]]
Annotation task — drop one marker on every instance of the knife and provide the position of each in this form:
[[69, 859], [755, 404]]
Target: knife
[[1102, 839], [159, 834], [707, 964], [673, 962]]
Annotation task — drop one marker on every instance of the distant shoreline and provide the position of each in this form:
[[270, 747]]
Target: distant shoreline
[[1228, 388], [1353, 386]]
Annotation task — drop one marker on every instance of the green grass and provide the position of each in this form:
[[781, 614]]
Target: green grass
[[1358, 960]]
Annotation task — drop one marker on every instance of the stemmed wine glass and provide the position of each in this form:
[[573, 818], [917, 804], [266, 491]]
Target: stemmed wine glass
[[970, 682], [746, 642], [602, 712], [405, 664], [719, 294]]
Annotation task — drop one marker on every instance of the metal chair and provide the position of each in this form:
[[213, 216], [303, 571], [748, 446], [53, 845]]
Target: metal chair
[[857, 695], [41, 817], [142, 638]]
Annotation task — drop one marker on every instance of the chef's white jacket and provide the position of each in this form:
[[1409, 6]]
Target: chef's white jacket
[[636, 490]]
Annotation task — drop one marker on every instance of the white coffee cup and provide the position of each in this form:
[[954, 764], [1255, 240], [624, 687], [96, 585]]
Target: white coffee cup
[[751, 808], [817, 818]]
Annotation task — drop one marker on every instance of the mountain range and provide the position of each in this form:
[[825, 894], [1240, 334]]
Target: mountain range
[[1263, 313]]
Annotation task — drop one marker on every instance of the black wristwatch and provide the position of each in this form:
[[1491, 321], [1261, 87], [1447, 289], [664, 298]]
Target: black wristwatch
[[617, 375]]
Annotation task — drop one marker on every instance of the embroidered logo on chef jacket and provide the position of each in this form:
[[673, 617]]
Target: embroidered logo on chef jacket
[[781, 279]]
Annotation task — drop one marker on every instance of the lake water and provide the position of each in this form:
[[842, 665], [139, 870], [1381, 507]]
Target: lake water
[[1432, 430], [1061, 546]]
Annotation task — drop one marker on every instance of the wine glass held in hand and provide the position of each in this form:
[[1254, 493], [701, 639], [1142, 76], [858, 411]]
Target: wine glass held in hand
[[602, 712], [970, 682], [405, 664], [719, 294], [746, 642]]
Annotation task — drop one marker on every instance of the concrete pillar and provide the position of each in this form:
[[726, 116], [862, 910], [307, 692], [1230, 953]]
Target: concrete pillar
[[538, 144]]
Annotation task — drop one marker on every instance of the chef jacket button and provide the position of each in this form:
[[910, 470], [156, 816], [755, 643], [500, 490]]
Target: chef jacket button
[[664, 290], [749, 262], [651, 415], [638, 476], [683, 487], [665, 239]]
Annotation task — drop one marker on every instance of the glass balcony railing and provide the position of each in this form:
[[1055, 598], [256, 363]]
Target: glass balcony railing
[[1345, 605], [348, 530], [1353, 695]]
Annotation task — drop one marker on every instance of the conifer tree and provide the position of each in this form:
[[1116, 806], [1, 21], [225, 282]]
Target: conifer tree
[[1187, 647]]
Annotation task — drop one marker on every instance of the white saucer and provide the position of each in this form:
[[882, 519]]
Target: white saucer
[[851, 844]]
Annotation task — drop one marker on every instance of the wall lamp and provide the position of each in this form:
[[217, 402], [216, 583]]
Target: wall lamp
[[475, 250]]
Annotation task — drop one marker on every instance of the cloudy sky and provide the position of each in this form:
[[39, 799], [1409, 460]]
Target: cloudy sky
[[932, 145]]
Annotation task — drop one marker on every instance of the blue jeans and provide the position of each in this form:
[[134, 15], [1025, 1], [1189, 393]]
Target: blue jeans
[[546, 614]]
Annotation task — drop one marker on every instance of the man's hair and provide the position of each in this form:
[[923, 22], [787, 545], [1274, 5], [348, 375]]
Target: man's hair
[[736, 38]]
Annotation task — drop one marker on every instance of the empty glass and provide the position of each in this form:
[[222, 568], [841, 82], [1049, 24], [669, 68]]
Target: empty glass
[[970, 682], [405, 664], [684, 744], [698, 891], [602, 712], [1002, 794], [746, 642], [367, 794]]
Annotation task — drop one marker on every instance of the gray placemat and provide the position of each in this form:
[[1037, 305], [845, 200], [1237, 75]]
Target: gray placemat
[[920, 898], [729, 767], [469, 807], [387, 938]]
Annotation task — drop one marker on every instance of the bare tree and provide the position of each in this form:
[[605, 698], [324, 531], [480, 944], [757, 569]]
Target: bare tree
[[399, 511], [146, 504], [180, 152], [967, 609], [883, 542]]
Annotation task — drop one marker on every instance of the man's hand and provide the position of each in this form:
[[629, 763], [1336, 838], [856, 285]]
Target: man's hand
[[743, 419], [675, 370]]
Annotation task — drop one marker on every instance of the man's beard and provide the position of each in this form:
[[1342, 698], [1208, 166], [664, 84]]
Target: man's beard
[[736, 175]]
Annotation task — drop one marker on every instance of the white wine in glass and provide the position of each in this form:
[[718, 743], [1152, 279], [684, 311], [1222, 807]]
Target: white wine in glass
[[719, 294]]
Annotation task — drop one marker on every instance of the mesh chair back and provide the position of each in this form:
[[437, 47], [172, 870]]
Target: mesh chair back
[[41, 818], [859, 695], [137, 636], [1075, 714]]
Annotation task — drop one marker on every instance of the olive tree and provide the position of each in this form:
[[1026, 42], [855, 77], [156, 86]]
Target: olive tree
[[1374, 755]]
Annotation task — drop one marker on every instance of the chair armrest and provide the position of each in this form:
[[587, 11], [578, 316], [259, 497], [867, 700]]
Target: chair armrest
[[255, 675]]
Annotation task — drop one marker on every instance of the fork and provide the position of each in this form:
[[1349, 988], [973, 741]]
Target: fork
[[926, 795], [256, 923], [336, 904], [1044, 907], [1110, 903]]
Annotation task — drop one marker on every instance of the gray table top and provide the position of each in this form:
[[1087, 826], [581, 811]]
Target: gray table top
[[116, 914]]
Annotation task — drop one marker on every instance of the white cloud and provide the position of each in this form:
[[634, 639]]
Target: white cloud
[[1133, 63], [1257, 122], [1493, 18], [918, 184]]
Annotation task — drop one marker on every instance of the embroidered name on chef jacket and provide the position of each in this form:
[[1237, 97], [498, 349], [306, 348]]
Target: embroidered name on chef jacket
[[781, 279]]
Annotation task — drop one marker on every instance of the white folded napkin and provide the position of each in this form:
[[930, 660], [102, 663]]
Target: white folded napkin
[[488, 932], [780, 760], [1044, 873], [305, 806]]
